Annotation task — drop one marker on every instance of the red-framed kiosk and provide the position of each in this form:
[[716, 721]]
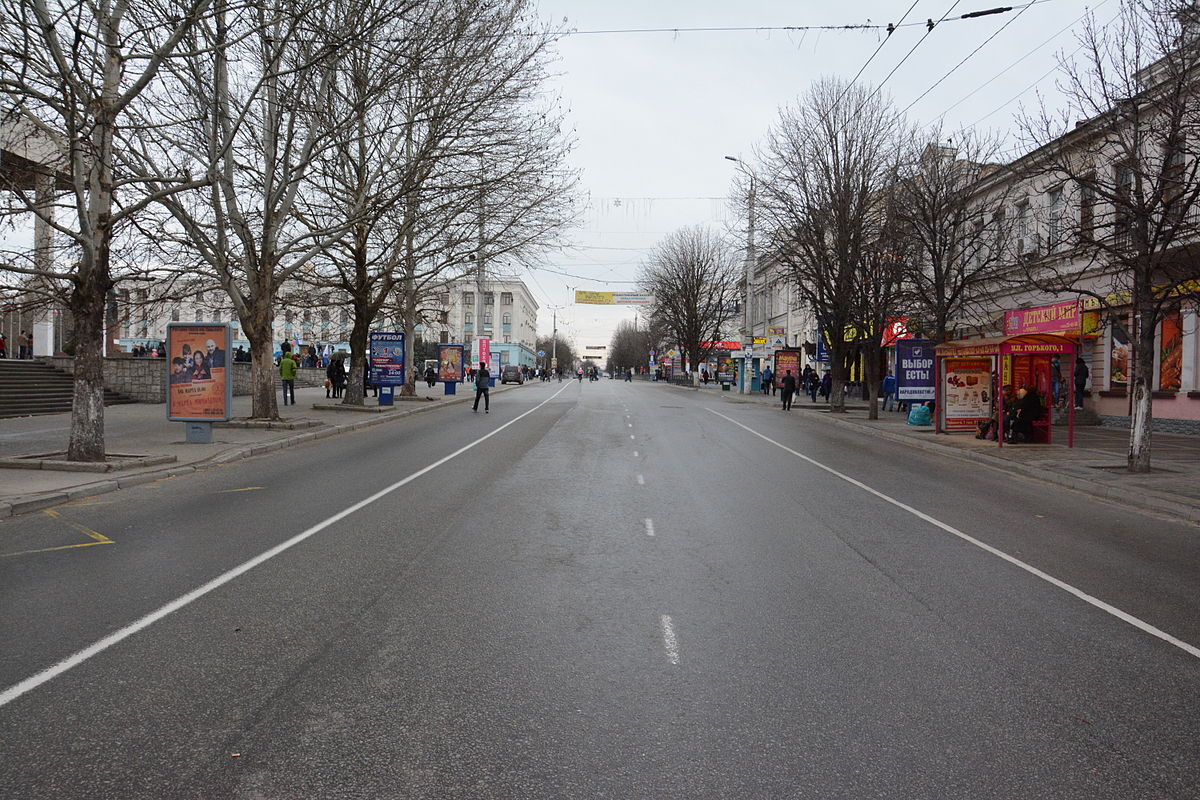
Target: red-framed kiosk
[[1013, 361]]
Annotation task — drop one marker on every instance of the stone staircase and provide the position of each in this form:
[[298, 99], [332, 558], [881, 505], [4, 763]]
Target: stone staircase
[[30, 387]]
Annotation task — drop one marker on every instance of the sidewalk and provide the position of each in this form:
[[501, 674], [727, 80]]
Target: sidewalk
[[142, 428], [1094, 466]]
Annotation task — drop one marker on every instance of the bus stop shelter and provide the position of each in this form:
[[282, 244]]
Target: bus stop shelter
[[972, 375]]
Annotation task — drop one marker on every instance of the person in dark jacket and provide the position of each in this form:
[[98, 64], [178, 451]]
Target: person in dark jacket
[[430, 376], [336, 372], [787, 389], [1029, 411], [481, 387], [1081, 376]]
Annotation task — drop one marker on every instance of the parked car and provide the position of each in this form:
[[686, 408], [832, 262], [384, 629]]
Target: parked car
[[511, 374]]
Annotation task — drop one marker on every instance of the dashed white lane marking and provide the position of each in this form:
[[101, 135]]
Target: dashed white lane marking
[[641, 480], [635, 455], [1032, 570], [670, 643], [649, 527], [70, 662], [629, 424], [631, 436]]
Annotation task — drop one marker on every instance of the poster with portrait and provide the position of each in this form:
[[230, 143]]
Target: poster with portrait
[[386, 362], [450, 362], [199, 386], [966, 392]]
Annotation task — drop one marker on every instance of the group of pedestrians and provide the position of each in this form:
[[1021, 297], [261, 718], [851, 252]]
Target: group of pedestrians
[[24, 345]]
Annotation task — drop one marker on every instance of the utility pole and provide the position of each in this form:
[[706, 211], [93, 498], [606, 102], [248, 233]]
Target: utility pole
[[747, 324]]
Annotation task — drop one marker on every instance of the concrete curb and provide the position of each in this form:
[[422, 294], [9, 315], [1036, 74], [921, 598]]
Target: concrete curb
[[37, 502], [1144, 499]]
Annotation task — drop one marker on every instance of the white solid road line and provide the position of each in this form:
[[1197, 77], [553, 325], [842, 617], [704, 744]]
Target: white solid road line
[[1032, 570], [670, 644], [32, 682]]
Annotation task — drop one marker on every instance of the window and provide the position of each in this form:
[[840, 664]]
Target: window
[[444, 317], [1054, 220], [507, 339], [344, 318], [1172, 183], [175, 313], [1087, 207], [469, 318], [506, 319], [1122, 215], [469, 299], [1022, 226], [487, 318], [489, 299], [199, 316], [506, 298]]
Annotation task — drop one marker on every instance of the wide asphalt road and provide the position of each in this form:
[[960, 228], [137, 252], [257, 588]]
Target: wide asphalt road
[[612, 589]]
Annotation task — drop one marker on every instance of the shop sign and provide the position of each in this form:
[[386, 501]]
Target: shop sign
[[914, 370], [1054, 318]]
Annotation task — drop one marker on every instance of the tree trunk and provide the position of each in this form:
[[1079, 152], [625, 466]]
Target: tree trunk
[[837, 374], [871, 359], [1141, 423], [408, 317], [87, 403], [264, 403], [359, 334]]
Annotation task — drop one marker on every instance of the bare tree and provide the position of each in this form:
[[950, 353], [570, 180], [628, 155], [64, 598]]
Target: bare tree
[[73, 71], [629, 347], [457, 151], [958, 243], [253, 121], [829, 163], [694, 278], [1130, 172]]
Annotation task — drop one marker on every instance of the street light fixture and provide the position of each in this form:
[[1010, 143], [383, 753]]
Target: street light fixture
[[747, 330]]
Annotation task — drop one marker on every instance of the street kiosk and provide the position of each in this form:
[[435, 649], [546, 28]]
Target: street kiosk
[[972, 375]]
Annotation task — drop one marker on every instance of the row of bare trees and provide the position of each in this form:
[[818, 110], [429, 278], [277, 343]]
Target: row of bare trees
[[374, 147], [872, 218]]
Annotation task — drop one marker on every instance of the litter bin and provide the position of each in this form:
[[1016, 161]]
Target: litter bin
[[451, 387], [385, 395]]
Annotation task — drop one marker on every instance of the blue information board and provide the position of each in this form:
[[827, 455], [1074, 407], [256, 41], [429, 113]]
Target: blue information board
[[386, 359]]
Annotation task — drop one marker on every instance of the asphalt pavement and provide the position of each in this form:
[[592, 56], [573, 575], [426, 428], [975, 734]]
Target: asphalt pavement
[[599, 590]]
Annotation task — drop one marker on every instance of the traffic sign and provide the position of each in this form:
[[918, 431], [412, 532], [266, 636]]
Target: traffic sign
[[541, 353]]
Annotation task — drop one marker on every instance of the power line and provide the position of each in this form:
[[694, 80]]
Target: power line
[[953, 69], [1004, 71]]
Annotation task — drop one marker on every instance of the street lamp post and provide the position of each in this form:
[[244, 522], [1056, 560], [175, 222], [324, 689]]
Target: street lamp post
[[747, 328]]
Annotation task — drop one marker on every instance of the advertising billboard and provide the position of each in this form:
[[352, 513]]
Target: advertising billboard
[[966, 392], [199, 383], [386, 358], [914, 370], [787, 360], [450, 362]]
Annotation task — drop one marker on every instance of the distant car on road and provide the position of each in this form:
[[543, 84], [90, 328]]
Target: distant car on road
[[511, 374]]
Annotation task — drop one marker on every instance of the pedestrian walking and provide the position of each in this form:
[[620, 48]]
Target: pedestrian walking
[[430, 377], [1081, 377], [889, 391], [826, 386], [24, 342], [336, 373], [787, 389], [481, 386], [3, 346], [767, 377], [287, 374]]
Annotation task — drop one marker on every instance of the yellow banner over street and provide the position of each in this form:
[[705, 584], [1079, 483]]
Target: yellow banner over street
[[613, 298]]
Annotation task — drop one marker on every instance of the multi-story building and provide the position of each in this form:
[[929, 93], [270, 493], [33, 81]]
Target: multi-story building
[[509, 318]]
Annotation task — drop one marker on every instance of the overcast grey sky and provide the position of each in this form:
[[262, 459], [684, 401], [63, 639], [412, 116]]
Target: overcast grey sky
[[655, 113]]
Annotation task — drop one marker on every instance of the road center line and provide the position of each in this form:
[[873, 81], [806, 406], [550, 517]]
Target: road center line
[[649, 527], [70, 662], [635, 455], [669, 641], [641, 480], [1032, 570]]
